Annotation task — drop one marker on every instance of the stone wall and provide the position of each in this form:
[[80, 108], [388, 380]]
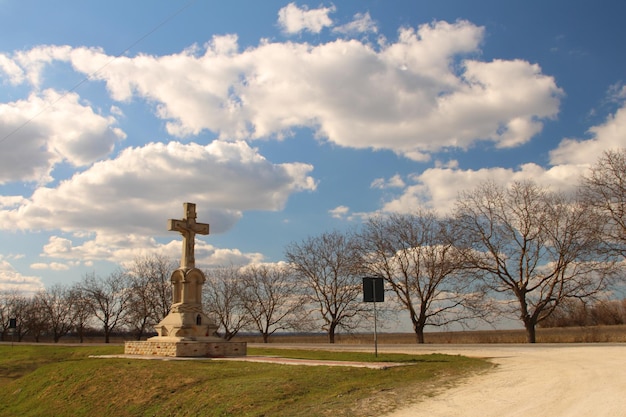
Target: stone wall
[[186, 349]]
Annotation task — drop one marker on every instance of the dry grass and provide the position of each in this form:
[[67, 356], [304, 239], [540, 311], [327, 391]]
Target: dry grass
[[591, 334]]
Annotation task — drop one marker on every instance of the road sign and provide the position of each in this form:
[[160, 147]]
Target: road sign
[[373, 290]]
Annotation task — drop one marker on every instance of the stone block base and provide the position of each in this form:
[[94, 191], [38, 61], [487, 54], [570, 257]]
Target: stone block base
[[186, 349]]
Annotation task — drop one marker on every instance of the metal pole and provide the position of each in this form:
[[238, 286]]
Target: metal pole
[[375, 324]]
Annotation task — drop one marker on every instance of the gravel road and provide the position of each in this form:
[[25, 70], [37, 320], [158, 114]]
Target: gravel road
[[538, 380], [555, 380]]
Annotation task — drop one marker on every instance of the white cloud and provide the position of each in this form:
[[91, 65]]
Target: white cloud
[[133, 193], [362, 23], [609, 135], [208, 255], [344, 213], [617, 93], [12, 280], [438, 188], [394, 182], [45, 130], [418, 95], [124, 249], [33, 61], [55, 266], [293, 19], [9, 201], [339, 212], [12, 71]]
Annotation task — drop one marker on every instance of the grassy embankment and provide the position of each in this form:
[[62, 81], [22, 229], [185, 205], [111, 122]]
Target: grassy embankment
[[47, 380]]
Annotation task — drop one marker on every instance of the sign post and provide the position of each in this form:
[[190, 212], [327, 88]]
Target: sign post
[[12, 327], [374, 292]]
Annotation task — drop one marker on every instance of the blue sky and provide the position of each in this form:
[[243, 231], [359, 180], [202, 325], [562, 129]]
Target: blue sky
[[282, 120]]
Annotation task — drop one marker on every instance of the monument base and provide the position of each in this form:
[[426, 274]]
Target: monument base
[[189, 348]]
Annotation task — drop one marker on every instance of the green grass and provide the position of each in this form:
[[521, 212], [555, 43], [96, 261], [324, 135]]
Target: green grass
[[64, 381]]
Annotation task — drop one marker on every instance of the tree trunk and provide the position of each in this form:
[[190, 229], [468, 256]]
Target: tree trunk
[[81, 333], [418, 326], [531, 336], [331, 333], [419, 333]]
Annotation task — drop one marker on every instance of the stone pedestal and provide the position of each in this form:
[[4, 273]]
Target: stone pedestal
[[186, 331], [193, 349]]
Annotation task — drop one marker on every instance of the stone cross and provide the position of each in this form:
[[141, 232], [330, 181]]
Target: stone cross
[[188, 228]]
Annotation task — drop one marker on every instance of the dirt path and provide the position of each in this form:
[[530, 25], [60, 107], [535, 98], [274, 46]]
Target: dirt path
[[540, 380]]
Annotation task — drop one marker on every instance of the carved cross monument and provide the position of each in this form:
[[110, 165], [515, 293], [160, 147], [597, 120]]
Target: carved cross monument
[[186, 320], [186, 330], [188, 228]]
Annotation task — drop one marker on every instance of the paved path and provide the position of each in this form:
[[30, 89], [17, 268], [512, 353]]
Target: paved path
[[260, 359]]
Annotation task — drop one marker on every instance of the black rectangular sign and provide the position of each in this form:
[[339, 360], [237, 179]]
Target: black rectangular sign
[[373, 290]]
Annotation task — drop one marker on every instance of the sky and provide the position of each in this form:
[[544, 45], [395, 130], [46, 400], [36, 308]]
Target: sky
[[282, 120]]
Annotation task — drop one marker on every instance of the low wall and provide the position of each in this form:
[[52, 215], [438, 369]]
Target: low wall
[[186, 349]]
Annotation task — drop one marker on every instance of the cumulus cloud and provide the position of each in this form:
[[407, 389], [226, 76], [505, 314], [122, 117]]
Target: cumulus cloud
[[10, 70], [45, 130], [12, 280], [123, 249], [54, 266], [438, 188], [33, 61], [417, 95], [609, 135], [394, 182], [362, 23], [293, 19], [131, 193], [339, 212]]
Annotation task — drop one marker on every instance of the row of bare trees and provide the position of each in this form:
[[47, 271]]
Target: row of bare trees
[[522, 250], [131, 300], [260, 298], [581, 313]]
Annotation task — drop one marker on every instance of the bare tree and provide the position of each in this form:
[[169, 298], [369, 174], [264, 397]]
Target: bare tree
[[604, 190], [608, 312], [109, 299], [413, 254], [151, 292], [222, 299], [532, 244], [35, 318], [15, 306], [81, 310], [570, 312], [329, 267], [5, 315], [272, 299], [57, 306], [601, 312]]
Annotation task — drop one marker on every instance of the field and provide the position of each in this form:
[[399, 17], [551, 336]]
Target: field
[[589, 334], [52, 380]]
